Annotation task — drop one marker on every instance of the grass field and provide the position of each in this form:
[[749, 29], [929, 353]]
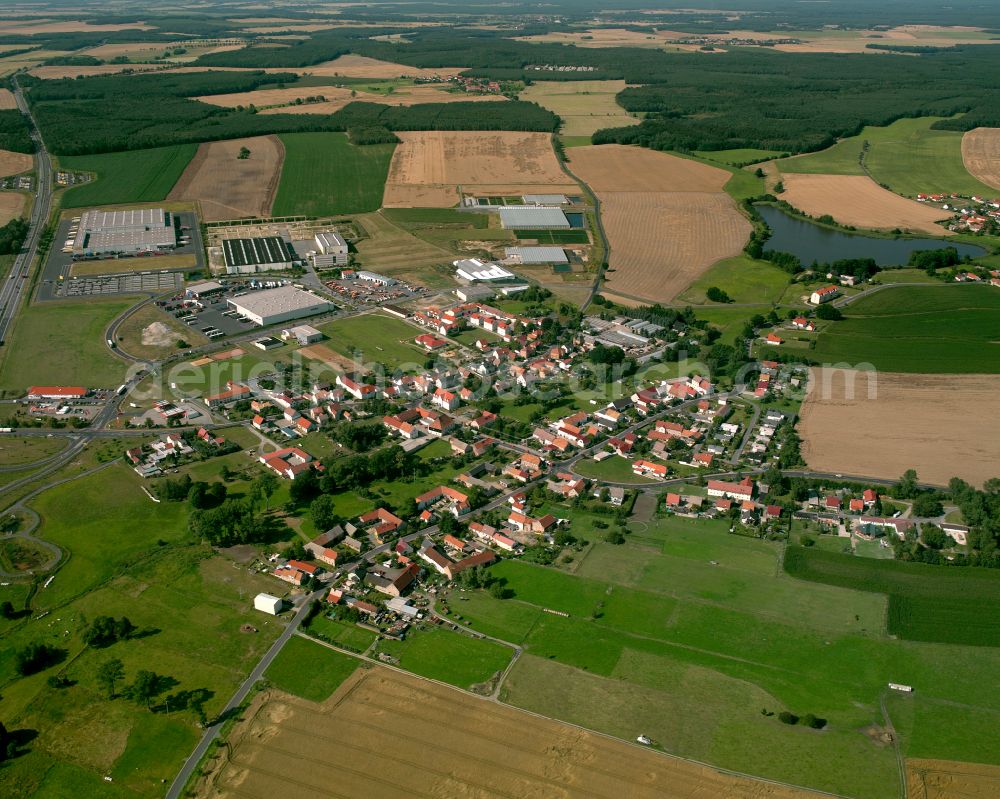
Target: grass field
[[42, 351], [309, 670], [346, 635], [737, 156], [907, 156], [926, 603], [686, 633], [324, 173], [614, 469], [923, 329], [25, 450], [120, 266], [742, 278], [379, 338], [451, 657], [129, 177]]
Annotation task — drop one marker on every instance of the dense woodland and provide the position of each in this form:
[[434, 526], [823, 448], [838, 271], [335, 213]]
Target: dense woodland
[[14, 133], [125, 112]]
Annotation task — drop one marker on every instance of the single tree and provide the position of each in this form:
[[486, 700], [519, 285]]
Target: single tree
[[109, 674], [263, 487], [145, 686]]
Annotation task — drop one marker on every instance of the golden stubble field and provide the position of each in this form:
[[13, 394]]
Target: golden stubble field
[[388, 735], [227, 187], [667, 218], [11, 205], [945, 779], [358, 66], [981, 154], [12, 163], [429, 169], [914, 422], [859, 201], [406, 95], [584, 106], [7, 101]]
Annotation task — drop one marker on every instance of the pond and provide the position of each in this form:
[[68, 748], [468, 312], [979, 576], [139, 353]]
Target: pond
[[811, 242]]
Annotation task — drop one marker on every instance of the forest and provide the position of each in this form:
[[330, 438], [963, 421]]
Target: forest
[[111, 113], [14, 133]]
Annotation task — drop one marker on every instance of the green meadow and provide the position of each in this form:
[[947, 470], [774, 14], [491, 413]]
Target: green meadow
[[135, 176], [377, 337], [309, 670], [450, 657], [697, 638], [744, 279], [922, 329], [324, 174]]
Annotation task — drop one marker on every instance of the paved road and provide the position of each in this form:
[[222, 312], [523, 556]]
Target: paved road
[[13, 289], [212, 731]]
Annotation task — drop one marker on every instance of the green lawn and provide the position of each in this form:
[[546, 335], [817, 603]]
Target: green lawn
[[378, 338], [448, 656], [415, 218], [324, 174], [729, 319], [62, 343], [946, 329], [743, 279], [614, 469], [135, 176], [309, 669], [341, 633], [907, 156]]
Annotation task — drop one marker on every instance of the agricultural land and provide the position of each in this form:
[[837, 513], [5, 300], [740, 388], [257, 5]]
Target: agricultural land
[[981, 155], [136, 176], [584, 106]]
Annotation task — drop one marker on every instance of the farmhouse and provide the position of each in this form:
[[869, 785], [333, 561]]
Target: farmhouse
[[521, 217], [263, 254], [279, 305], [331, 249], [288, 462], [820, 296], [125, 232]]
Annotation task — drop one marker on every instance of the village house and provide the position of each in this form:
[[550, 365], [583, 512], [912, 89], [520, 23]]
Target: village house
[[644, 468], [289, 462], [742, 491], [822, 295], [234, 393], [452, 500]]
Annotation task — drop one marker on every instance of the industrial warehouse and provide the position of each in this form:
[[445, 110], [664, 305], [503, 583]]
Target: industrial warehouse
[[282, 304], [265, 254], [532, 217], [126, 232]]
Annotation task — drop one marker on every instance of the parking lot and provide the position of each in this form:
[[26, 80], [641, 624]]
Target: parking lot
[[58, 282]]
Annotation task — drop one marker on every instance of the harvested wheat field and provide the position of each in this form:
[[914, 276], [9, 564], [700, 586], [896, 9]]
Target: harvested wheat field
[[11, 206], [398, 736], [261, 98], [29, 28], [359, 66], [908, 425], [7, 101], [667, 218], [981, 154], [228, 187], [408, 95], [12, 163], [859, 201], [946, 779], [428, 167], [585, 106]]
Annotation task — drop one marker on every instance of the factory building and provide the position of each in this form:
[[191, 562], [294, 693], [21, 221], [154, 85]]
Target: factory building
[[283, 304], [536, 255], [264, 254], [331, 249], [378, 280], [127, 232], [477, 271], [532, 217]]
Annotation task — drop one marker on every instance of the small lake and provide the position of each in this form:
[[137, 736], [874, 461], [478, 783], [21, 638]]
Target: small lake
[[811, 242]]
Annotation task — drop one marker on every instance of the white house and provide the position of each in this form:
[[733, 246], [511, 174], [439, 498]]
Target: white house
[[268, 604]]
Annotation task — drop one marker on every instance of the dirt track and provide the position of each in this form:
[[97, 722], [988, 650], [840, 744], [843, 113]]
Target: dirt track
[[859, 201], [227, 187], [914, 422], [981, 154], [667, 218], [428, 167], [387, 735]]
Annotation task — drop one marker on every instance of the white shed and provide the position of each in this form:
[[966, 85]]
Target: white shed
[[268, 604]]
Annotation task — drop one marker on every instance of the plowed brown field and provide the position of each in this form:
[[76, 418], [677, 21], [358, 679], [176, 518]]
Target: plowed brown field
[[397, 737], [908, 425], [428, 167], [981, 154], [667, 218], [227, 187], [859, 201], [946, 779], [12, 163]]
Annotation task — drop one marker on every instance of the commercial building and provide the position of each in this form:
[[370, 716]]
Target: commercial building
[[268, 604], [530, 217], [545, 199], [58, 392], [283, 304], [536, 255], [126, 232], [477, 271], [377, 279], [199, 291], [264, 254], [331, 249], [304, 334]]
